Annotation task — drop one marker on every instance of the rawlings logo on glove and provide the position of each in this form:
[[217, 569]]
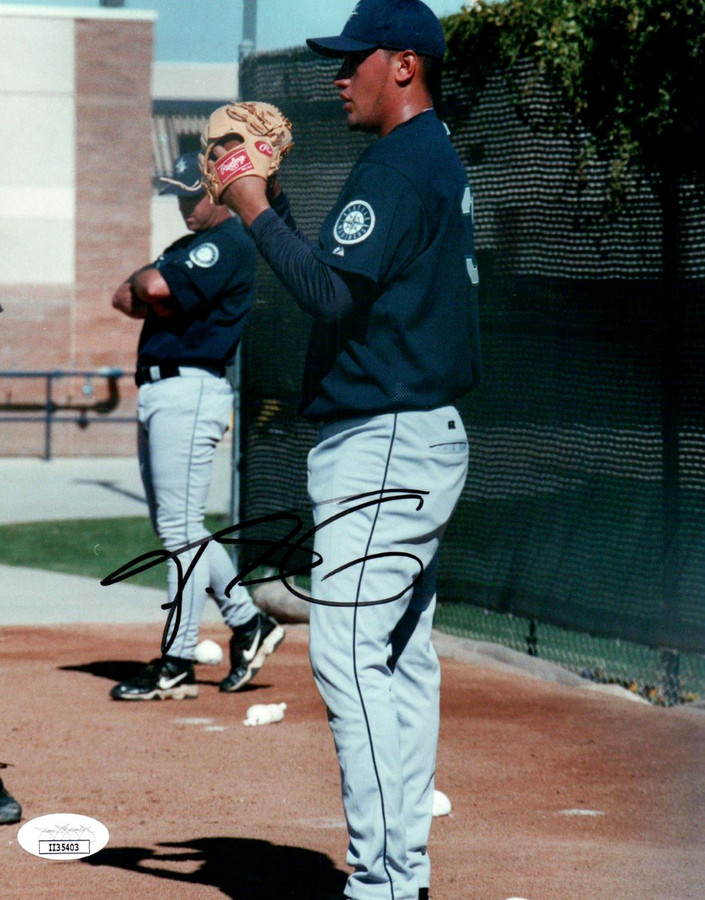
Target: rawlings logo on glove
[[232, 165], [257, 137]]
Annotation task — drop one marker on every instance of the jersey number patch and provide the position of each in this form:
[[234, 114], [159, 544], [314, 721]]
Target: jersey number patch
[[355, 223], [468, 215]]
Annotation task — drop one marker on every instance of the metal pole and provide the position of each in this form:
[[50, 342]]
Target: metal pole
[[249, 28], [532, 639], [673, 325], [47, 418], [236, 450], [247, 46], [671, 680]]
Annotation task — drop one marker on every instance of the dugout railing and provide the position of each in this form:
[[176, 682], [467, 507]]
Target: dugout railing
[[48, 411]]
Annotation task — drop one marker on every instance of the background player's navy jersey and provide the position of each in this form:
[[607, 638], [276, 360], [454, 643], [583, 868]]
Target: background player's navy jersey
[[210, 275], [401, 235]]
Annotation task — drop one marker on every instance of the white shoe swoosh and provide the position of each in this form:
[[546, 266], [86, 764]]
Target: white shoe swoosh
[[165, 683], [249, 655]]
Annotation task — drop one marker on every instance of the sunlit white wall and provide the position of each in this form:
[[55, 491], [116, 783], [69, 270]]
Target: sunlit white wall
[[37, 215]]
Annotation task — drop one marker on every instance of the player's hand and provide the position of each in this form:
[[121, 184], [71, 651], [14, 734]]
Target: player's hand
[[162, 309], [151, 292], [126, 302], [247, 196], [243, 140]]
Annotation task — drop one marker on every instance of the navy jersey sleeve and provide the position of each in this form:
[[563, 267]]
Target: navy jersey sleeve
[[317, 288], [199, 270], [281, 207], [377, 226]]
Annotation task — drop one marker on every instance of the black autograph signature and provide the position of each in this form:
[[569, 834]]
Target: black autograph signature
[[267, 556]]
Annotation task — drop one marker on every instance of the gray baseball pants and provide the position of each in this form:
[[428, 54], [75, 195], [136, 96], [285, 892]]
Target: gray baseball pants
[[373, 662], [180, 421]]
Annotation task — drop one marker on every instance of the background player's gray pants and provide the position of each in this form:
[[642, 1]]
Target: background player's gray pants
[[374, 665], [180, 421]]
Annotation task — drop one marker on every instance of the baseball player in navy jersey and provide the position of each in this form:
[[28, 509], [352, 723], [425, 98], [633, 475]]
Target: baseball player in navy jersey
[[391, 285], [194, 301]]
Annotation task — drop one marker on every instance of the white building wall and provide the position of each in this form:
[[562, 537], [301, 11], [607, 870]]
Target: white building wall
[[194, 81], [37, 148], [167, 223]]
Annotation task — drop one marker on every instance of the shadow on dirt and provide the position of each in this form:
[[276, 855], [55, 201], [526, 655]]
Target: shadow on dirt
[[242, 868], [113, 669], [119, 670]]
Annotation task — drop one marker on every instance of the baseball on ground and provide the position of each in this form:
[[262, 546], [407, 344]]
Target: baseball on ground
[[208, 652], [441, 804]]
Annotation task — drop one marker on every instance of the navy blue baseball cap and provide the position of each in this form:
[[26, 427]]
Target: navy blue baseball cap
[[186, 181], [389, 24]]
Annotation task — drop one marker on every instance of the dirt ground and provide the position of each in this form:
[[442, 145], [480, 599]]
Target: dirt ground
[[558, 793]]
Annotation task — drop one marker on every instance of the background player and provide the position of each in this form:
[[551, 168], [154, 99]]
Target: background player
[[392, 287], [10, 809], [194, 301]]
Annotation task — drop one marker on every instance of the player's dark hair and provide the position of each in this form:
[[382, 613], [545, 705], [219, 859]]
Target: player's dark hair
[[432, 69]]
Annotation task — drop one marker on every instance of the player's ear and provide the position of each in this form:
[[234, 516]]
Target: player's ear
[[406, 66]]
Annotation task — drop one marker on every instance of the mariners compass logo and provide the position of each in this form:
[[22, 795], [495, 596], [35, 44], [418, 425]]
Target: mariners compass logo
[[355, 223], [205, 255]]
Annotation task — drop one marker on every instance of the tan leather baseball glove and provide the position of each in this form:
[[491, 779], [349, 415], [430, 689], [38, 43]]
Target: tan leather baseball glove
[[256, 136]]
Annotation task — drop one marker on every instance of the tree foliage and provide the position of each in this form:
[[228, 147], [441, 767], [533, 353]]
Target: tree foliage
[[631, 71]]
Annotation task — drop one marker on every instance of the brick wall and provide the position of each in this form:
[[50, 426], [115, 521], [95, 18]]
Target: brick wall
[[113, 185]]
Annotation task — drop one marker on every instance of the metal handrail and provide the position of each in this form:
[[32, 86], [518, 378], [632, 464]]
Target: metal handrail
[[50, 407]]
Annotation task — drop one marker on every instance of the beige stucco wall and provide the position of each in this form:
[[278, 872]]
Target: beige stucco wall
[[37, 150]]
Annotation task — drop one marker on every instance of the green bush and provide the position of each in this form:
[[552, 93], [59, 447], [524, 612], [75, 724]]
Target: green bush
[[630, 72]]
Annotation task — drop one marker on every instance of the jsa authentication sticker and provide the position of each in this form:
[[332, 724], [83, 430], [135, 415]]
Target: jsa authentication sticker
[[63, 836]]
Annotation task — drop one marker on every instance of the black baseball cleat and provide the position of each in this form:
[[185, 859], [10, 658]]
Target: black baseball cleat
[[10, 809], [165, 678], [249, 647]]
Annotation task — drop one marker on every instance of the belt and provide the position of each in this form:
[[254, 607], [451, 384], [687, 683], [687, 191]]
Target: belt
[[149, 374]]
